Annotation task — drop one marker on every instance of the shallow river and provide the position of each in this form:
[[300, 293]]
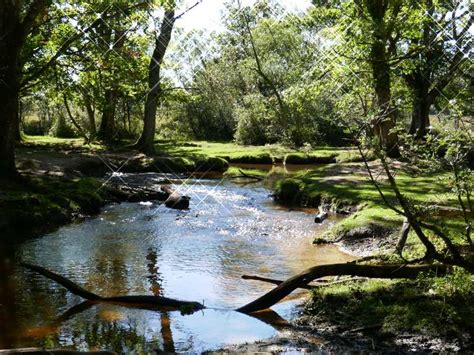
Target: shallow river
[[199, 254]]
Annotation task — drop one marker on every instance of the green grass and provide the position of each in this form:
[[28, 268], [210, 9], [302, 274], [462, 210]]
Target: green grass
[[343, 185], [232, 152], [61, 143], [267, 154]]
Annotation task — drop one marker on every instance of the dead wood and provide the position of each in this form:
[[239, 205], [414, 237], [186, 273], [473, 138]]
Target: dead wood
[[247, 176], [175, 199], [372, 271], [136, 301], [272, 297], [320, 283]]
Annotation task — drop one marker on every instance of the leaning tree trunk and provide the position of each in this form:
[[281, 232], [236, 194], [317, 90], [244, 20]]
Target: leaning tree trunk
[[10, 47], [147, 138]]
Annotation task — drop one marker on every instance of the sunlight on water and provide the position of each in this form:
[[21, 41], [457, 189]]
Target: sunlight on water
[[199, 254]]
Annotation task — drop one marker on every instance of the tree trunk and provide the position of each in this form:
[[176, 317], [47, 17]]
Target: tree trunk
[[386, 119], [90, 115], [147, 138], [107, 124], [10, 46], [420, 119]]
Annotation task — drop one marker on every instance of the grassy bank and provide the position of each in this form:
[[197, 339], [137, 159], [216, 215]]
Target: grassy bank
[[195, 150], [268, 154], [38, 204], [425, 313], [347, 188]]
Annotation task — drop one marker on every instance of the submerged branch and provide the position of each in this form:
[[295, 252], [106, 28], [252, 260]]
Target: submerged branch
[[141, 301]]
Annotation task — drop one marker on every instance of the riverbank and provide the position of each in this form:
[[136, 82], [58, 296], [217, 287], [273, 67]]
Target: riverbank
[[430, 314], [63, 180]]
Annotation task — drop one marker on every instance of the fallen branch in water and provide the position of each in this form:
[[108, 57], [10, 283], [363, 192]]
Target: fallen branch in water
[[372, 271], [320, 283], [137, 301], [271, 281], [272, 297], [247, 176]]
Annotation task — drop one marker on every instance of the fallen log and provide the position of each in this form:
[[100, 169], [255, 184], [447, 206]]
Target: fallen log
[[320, 217], [174, 199], [248, 176], [271, 281], [372, 271], [137, 301]]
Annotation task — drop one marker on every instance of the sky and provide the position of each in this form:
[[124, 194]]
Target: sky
[[207, 15]]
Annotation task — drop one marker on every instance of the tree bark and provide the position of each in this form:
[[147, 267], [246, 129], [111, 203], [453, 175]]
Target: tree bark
[[146, 142], [402, 240], [13, 32], [90, 114], [107, 123]]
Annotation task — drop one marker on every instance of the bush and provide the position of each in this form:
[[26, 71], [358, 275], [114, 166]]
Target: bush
[[33, 128], [61, 129]]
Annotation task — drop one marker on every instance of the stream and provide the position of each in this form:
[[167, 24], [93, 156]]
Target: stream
[[146, 248]]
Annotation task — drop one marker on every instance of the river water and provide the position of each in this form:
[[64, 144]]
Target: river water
[[144, 248]]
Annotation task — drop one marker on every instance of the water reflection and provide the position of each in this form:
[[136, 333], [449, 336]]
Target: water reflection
[[140, 249]]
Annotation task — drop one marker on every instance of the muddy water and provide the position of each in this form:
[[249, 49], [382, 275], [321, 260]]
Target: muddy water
[[145, 248]]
